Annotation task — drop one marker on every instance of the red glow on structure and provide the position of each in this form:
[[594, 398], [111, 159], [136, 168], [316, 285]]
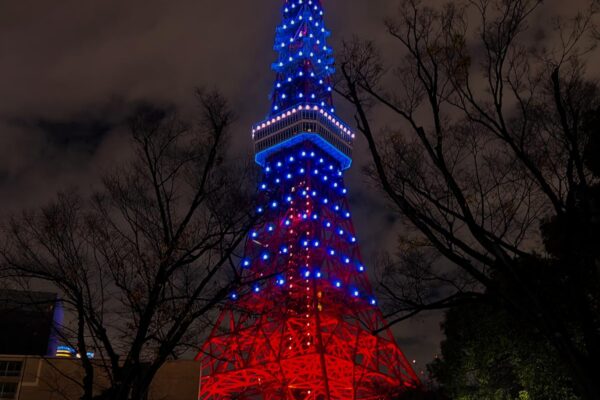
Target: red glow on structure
[[307, 326], [306, 330]]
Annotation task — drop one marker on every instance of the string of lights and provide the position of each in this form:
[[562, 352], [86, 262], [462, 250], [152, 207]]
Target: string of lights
[[303, 328]]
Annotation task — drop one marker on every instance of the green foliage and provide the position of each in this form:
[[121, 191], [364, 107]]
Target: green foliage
[[487, 355], [490, 354]]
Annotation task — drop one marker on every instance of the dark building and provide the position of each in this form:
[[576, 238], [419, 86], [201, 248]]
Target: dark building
[[28, 322]]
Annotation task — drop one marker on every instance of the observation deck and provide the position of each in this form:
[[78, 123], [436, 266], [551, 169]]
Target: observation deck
[[303, 123]]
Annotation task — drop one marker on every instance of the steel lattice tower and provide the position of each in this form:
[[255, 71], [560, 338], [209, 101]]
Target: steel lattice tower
[[306, 328]]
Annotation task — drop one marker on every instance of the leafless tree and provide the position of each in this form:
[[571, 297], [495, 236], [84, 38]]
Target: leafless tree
[[489, 144], [144, 260]]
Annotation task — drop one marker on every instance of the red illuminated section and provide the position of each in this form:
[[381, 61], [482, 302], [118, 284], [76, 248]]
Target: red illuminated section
[[305, 329]]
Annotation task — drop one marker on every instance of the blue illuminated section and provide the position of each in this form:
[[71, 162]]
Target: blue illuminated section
[[303, 123], [305, 64], [345, 161], [302, 109]]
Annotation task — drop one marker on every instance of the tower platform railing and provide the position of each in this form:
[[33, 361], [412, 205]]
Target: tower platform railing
[[304, 122]]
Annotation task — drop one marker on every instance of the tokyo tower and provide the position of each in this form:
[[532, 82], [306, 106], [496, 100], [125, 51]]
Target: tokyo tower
[[309, 327]]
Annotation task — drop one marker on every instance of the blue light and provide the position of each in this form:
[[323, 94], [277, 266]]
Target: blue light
[[338, 284], [234, 296], [308, 45], [356, 293], [344, 160], [246, 263], [373, 302], [280, 281], [361, 268], [254, 234], [274, 204], [256, 289], [265, 256]]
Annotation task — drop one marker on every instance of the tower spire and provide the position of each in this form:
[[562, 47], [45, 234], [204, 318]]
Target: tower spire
[[305, 64], [308, 326]]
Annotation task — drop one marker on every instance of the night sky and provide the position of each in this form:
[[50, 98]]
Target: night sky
[[71, 72]]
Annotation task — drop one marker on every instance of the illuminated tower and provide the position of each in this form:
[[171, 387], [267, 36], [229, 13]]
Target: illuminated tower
[[309, 326]]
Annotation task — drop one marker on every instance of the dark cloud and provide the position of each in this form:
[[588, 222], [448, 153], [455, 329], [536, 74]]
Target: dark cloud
[[72, 71], [82, 131]]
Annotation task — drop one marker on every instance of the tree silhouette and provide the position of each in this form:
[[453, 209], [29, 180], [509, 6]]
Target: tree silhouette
[[142, 262], [491, 163]]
